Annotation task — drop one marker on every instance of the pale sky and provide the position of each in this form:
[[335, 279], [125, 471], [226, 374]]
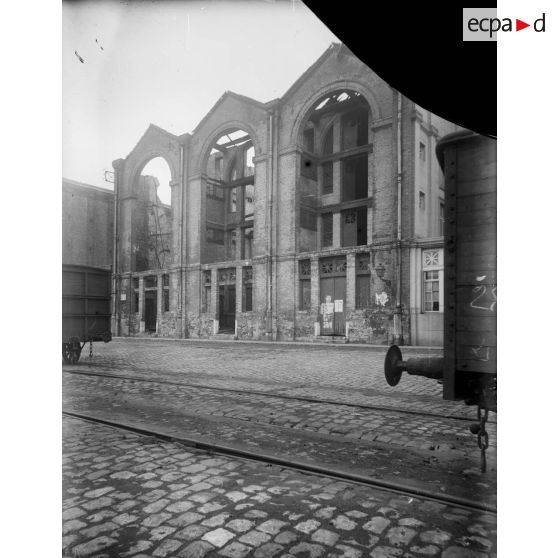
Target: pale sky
[[167, 63]]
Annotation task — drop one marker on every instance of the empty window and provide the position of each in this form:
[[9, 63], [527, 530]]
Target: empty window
[[246, 289], [354, 223], [304, 281], [231, 196], [247, 243], [441, 221], [249, 202], [327, 178], [232, 200], [249, 161], [231, 245], [422, 200], [431, 292], [327, 230], [362, 291], [354, 128], [355, 178]]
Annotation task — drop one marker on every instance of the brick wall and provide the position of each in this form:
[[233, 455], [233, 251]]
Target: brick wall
[[279, 241]]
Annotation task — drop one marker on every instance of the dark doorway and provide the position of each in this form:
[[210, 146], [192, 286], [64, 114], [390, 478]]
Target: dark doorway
[[227, 308], [333, 285], [151, 311]]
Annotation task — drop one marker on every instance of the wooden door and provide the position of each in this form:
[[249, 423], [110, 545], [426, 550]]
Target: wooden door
[[333, 283], [150, 310], [227, 308]]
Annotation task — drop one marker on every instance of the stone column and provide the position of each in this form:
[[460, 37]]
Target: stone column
[[337, 186], [337, 224], [173, 292], [214, 304], [369, 225], [141, 305], [159, 302], [351, 282], [315, 292], [126, 260], [175, 223], [238, 289], [239, 239]]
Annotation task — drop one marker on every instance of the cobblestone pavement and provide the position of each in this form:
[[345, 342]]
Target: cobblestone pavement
[[128, 495], [391, 427], [437, 454], [347, 374]]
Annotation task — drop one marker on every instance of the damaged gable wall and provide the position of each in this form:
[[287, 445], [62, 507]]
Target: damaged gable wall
[[316, 208]]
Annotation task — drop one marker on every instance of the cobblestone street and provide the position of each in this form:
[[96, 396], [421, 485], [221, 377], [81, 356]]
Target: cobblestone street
[[128, 495], [349, 373], [349, 366], [327, 406]]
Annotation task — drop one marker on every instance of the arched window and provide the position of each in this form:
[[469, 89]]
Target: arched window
[[334, 171], [152, 217], [230, 197]]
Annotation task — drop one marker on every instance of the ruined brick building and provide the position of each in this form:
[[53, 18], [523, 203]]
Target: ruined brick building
[[315, 216]]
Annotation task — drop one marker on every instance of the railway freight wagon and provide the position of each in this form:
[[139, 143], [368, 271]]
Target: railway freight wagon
[[468, 367], [86, 299]]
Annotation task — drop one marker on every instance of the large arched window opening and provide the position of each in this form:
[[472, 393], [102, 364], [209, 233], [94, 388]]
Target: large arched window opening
[[152, 218], [229, 222], [334, 180]]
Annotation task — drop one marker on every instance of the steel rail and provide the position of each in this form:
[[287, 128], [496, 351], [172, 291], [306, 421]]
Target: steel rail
[[335, 474], [303, 398]]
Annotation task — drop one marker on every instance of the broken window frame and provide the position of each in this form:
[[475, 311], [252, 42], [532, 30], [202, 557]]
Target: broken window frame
[[355, 161], [360, 123], [238, 193], [247, 241], [361, 219]]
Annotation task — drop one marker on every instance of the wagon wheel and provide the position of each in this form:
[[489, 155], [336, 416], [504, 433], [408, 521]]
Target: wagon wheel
[[71, 351]]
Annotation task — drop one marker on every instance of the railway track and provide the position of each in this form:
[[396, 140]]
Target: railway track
[[274, 395], [260, 457]]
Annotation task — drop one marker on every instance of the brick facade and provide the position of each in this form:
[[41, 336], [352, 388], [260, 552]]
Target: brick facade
[[339, 167]]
